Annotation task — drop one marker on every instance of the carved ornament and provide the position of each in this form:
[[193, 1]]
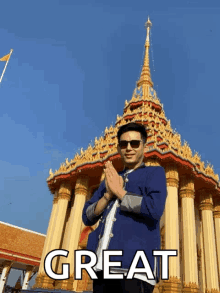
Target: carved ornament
[[216, 210], [206, 201], [55, 198], [192, 286], [152, 162], [64, 191], [199, 256], [172, 175], [82, 185], [186, 186]]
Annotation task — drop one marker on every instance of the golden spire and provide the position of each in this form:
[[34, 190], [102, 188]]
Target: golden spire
[[145, 78]]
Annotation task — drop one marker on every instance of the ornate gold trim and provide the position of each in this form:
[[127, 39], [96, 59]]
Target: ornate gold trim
[[46, 282], [216, 211], [172, 182], [190, 287], [173, 284], [186, 181], [55, 198], [187, 193], [199, 257], [186, 186], [152, 162], [172, 175], [216, 214], [206, 201], [64, 191], [212, 291], [82, 185], [7, 263]]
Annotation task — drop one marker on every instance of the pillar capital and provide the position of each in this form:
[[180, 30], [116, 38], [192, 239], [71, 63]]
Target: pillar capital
[[82, 185], [206, 201], [55, 196], [7, 263], [172, 175], [190, 287], [29, 268], [173, 284], [216, 210], [5, 273], [64, 191], [152, 162], [186, 186]]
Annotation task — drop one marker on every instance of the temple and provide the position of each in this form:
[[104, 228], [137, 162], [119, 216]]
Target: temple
[[191, 219]]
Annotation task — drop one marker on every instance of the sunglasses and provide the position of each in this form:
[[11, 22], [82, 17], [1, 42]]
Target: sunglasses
[[133, 143]]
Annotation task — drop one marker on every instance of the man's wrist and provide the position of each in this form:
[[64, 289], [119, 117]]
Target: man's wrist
[[106, 196], [121, 194]]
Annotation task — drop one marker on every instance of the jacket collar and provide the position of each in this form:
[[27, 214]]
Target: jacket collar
[[142, 165]]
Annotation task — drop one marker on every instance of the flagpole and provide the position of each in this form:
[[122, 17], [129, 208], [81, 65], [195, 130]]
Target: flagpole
[[6, 65]]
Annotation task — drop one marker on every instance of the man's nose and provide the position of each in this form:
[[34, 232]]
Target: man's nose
[[129, 146]]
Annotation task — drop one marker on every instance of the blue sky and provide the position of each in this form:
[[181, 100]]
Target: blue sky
[[75, 63]]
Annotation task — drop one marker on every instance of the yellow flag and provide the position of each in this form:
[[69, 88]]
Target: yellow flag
[[5, 58]]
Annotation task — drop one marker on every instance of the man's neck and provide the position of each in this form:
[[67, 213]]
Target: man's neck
[[126, 167]]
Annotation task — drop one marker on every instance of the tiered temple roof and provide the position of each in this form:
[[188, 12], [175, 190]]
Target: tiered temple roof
[[163, 143]]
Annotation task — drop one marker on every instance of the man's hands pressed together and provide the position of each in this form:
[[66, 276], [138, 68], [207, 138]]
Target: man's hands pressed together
[[114, 188], [113, 182]]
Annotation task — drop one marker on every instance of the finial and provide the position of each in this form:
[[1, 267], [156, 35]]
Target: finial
[[148, 23], [145, 78]]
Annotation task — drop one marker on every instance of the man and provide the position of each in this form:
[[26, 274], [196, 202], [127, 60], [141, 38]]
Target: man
[[129, 210]]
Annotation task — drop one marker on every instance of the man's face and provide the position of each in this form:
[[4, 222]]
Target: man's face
[[131, 157]]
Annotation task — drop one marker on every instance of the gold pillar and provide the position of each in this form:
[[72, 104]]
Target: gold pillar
[[49, 236], [216, 215], [181, 245], [159, 286], [200, 249], [5, 273], [206, 207], [81, 285], [190, 283], [29, 271], [172, 229], [64, 241], [75, 220], [64, 196]]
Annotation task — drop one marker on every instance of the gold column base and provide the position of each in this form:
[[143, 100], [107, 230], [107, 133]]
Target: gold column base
[[38, 282], [212, 291], [190, 287], [65, 284], [47, 282], [158, 287], [172, 285]]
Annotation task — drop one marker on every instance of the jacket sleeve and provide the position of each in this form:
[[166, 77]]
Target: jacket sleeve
[[151, 204], [88, 216]]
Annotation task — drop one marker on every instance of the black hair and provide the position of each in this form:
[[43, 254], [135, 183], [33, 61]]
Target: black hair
[[133, 127]]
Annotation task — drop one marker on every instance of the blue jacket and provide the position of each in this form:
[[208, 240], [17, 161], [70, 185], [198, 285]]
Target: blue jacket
[[137, 224]]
